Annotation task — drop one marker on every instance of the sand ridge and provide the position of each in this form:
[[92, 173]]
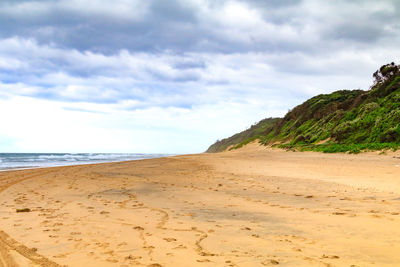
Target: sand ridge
[[249, 207]]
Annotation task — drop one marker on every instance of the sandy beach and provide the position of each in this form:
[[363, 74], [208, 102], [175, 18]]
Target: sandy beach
[[255, 206]]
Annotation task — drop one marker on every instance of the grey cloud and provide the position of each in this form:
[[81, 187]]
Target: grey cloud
[[359, 32], [169, 25], [274, 3], [190, 64], [179, 26]]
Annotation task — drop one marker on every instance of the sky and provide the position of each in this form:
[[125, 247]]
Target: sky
[[173, 76]]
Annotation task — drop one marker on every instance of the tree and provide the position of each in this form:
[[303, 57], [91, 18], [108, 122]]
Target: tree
[[385, 73]]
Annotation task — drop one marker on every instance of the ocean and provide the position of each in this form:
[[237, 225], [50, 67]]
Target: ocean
[[35, 160]]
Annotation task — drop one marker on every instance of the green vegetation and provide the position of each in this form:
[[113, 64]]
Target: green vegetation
[[334, 148], [343, 121], [240, 139]]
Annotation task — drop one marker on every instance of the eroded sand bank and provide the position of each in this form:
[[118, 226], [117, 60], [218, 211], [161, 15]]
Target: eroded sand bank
[[252, 207]]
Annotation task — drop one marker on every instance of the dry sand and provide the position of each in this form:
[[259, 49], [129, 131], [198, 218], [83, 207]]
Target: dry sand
[[252, 207]]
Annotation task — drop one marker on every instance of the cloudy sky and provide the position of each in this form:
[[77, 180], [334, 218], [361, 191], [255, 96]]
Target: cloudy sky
[[173, 76]]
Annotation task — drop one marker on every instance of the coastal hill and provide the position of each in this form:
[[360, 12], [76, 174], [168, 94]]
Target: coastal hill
[[345, 120]]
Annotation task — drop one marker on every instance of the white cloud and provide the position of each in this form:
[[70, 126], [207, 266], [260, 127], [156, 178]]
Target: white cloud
[[48, 126]]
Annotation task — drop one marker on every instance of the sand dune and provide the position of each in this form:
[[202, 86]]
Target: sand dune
[[251, 207]]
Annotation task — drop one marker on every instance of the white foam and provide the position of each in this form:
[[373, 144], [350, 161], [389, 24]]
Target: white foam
[[52, 160]]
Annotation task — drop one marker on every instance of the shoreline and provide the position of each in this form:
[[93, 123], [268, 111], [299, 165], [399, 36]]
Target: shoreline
[[78, 163], [254, 146], [251, 207]]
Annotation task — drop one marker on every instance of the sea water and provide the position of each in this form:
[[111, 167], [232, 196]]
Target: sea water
[[35, 160]]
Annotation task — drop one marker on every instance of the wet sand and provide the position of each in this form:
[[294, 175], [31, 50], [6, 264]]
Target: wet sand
[[252, 207]]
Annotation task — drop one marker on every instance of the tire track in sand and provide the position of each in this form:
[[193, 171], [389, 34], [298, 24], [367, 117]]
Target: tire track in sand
[[8, 244]]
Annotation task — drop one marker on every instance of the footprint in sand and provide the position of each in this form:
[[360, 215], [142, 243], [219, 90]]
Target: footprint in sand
[[180, 247], [330, 257], [169, 239], [270, 262], [59, 256], [203, 260], [339, 213], [131, 257]]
